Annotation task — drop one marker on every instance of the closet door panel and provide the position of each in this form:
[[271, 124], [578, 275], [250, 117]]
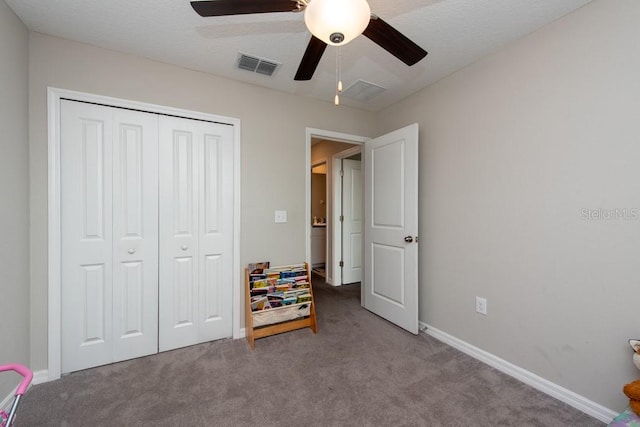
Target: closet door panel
[[179, 142], [216, 232], [93, 288], [86, 230], [135, 233]]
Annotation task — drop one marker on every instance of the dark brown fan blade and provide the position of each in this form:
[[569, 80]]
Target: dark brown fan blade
[[311, 58], [394, 41], [242, 7]]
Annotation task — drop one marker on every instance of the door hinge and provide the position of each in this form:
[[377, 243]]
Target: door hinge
[[341, 263], [341, 218], [342, 172]]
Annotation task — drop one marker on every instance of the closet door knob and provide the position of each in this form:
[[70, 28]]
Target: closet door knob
[[184, 247], [131, 251]]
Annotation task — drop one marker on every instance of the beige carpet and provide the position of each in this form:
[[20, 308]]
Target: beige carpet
[[359, 370]]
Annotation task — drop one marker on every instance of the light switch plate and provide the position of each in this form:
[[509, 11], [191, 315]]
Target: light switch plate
[[281, 217]]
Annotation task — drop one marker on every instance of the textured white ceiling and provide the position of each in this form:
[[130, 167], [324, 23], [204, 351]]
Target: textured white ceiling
[[454, 32]]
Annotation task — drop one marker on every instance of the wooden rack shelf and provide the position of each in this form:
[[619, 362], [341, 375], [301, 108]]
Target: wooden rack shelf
[[279, 300]]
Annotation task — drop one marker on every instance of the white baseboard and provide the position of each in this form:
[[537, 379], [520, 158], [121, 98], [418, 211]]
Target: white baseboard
[[562, 394], [40, 377], [243, 333]]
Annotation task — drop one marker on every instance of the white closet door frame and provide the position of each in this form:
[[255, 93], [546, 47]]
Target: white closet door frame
[[54, 96]]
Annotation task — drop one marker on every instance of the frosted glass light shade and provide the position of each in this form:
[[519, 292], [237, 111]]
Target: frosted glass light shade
[[325, 18]]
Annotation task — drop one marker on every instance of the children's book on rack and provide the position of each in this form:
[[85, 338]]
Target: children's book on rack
[[278, 287], [279, 299]]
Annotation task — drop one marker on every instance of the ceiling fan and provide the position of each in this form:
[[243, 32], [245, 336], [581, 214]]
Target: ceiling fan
[[331, 22]]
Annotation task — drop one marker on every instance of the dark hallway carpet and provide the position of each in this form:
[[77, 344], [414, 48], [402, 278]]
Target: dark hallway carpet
[[359, 370]]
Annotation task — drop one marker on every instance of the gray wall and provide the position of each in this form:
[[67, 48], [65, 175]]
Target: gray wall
[[273, 145], [14, 193], [513, 148]]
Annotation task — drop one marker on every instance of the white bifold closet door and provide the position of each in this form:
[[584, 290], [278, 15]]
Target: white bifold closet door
[[196, 224], [147, 233], [109, 221]]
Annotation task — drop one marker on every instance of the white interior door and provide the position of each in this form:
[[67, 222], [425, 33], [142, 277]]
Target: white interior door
[[216, 232], [135, 234], [196, 225], [86, 290], [391, 226], [108, 235], [352, 221]]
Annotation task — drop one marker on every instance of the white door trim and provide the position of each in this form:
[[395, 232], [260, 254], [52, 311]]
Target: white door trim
[[54, 95], [331, 136]]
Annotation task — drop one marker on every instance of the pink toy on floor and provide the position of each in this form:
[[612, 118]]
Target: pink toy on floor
[[7, 419]]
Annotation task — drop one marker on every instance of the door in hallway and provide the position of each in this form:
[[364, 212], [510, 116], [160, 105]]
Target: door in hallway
[[352, 221]]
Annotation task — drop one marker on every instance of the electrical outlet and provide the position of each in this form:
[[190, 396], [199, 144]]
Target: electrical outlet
[[481, 305], [280, 217]]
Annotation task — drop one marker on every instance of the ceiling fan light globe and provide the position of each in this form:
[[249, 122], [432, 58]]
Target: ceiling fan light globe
[[347, 17]]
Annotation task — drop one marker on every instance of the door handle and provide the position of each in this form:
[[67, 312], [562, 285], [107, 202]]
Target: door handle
[[408, 239]]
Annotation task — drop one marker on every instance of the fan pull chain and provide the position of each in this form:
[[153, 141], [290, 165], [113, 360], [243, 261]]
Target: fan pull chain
[[339, 69], [338, 76]]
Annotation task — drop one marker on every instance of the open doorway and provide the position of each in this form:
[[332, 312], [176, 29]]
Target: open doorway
[[325, 151], [390, 230]]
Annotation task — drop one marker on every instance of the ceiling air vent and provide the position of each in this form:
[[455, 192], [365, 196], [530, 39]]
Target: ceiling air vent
[[362, 90], [256, 64]]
